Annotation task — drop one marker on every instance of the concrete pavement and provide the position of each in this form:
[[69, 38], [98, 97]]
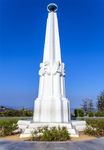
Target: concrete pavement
[[97, 144]]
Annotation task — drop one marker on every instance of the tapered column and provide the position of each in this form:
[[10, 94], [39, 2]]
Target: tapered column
[[51, 104], [52, 43]]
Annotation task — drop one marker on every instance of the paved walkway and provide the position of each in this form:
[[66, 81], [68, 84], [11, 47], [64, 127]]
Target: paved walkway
[[97, 144]]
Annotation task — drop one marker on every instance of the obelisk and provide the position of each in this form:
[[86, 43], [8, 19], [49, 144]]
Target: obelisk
[[52, 104], [51, 107]]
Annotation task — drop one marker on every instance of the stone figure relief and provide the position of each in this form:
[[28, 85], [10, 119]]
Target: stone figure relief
[[45, 68], [59, 68]]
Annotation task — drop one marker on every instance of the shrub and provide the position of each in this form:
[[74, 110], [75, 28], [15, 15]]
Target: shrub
[[95, 127], [9, 112], [79, 113], [90, 114], [90, 131], [7, 126], [99, 114], [50, 134]]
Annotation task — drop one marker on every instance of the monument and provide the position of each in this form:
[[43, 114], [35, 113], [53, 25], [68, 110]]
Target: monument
[[51, 107], [52, 104]]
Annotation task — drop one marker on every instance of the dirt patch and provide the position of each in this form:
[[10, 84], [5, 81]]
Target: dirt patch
[[16, 137], [83, 137]]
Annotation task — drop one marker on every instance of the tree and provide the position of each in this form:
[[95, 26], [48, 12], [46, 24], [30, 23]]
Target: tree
[[79, 113], [99, 114], [91, 114], [6, 112], [90, 105], [87, 105], [84, 106], [100, 102]]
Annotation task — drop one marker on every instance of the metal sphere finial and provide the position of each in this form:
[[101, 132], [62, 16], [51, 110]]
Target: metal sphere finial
[[52, 7]]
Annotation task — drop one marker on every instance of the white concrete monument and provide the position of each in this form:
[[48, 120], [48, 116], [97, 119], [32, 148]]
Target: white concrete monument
[[51, 108], [52, 104]]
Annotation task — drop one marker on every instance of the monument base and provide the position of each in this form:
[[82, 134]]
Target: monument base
[[28, 127]]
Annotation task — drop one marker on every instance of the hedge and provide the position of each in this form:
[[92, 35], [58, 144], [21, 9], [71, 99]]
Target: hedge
[[7, 126], [95, 127]]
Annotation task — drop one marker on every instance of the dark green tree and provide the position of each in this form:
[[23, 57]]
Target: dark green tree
[[87, 105], [90, 105], [79, 113], [91, 114], [100, 102], [84, 106]]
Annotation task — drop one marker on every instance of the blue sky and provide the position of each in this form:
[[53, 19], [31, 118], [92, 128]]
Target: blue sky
[[22, 33]]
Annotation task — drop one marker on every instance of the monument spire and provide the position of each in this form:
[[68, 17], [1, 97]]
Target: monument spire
[[52, 41]]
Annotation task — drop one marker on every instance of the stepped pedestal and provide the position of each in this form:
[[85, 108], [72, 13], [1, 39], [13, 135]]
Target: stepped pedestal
[[28, 127]]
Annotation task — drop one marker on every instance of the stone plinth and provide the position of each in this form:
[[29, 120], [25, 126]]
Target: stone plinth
[[73, 127]]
